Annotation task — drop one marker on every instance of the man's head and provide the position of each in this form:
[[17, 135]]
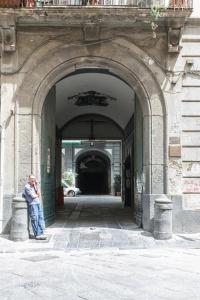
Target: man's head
[[31, 179]]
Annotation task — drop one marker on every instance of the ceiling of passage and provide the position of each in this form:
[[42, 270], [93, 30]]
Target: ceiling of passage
[[94, 93]]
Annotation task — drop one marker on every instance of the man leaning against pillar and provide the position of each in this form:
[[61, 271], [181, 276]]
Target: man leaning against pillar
[[31, 194]]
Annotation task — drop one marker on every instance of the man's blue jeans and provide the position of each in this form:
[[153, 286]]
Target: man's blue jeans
[[37, 218]]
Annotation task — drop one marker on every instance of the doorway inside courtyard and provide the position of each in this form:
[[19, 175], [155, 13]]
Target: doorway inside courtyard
[[93, 173]]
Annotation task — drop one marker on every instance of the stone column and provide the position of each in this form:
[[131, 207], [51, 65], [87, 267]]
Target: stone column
[[19, 222], [163, 218]]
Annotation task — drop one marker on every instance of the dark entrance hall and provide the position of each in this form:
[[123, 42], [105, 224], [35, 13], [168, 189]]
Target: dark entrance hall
[[93, 171]]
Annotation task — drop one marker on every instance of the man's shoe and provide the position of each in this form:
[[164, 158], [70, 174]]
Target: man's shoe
[[41, 237]]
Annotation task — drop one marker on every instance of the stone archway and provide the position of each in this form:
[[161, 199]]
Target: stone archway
[[129, 63], [93, 172]]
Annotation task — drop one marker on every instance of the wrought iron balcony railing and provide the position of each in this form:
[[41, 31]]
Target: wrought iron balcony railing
[[170, 4], [173, 4]]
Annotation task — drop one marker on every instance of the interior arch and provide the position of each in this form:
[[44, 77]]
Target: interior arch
[[90, 126]]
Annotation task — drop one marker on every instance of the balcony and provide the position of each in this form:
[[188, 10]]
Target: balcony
[[141, 4], [173, 4], [95, 19]]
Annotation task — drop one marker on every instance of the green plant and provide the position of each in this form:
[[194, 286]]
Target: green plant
[[155, 13], [68, 177]]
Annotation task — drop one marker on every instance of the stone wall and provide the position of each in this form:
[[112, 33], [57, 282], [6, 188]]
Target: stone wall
[[183, 102]]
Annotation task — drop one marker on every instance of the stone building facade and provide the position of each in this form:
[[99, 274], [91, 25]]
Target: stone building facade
[[153, 61]]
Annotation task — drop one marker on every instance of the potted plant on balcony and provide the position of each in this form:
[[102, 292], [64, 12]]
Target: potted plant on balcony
[[10, 3], [155, 13]]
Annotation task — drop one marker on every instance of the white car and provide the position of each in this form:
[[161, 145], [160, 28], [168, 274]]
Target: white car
[[70, 191]]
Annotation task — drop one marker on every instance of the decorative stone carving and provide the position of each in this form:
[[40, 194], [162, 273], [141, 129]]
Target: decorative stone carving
[[91, 98], [8, 38], [174, 39], [91, 32]]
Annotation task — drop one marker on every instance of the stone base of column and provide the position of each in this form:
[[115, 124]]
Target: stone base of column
[[19, 221]]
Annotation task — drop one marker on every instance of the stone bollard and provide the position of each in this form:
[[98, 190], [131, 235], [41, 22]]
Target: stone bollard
[[163, 218], [19, 222]]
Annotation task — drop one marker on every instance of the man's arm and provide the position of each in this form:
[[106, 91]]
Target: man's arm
[[37, 189], [31, 193]]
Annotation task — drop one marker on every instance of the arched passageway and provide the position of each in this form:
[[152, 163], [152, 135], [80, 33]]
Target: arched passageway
[[70, 112], [93, 171], [147, 112]]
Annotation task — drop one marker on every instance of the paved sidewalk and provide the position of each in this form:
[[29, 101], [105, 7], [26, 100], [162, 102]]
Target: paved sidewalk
[[90, 222], [139, 274], [95, 251]]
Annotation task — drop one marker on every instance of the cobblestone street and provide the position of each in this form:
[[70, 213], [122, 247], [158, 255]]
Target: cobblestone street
[[95, 251]]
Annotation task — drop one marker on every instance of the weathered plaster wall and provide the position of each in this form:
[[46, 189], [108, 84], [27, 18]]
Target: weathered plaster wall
[[183, 104], [8, 124]]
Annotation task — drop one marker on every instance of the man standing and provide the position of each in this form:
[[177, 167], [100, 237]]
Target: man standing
[[32, 194]]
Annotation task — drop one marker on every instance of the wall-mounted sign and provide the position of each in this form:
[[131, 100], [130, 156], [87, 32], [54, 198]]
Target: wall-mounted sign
[[191, 185], [174, 150]]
